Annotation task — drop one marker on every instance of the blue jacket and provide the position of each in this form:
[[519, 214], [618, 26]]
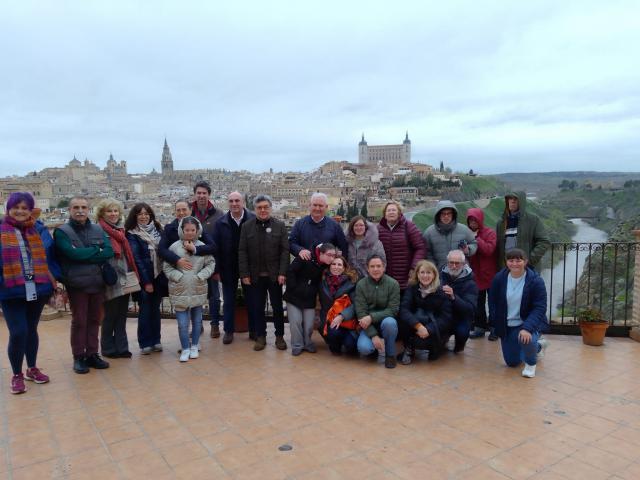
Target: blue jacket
[[465, 291], [42, 289], [533, 306], [170, 236], [226, 236], [307, 234]]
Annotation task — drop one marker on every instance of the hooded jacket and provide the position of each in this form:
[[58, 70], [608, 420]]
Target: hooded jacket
[[188, 288], [370, 244], [303, 282], [484, 262], [441, 239], [532, 237], [403, 247], [465, 292], [533, 305], [170, 235]]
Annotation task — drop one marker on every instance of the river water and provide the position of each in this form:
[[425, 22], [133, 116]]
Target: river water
[[585, 234]]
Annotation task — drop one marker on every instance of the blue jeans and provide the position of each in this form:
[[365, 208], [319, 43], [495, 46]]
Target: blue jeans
[[339, 337], [183, 326], [149, 318], [214, 301], [514, 352], [389, 330], [22, 319]]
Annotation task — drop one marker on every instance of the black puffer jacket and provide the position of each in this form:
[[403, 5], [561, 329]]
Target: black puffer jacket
[[435, 312]]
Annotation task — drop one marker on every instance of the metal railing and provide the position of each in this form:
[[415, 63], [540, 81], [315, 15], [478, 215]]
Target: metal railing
[[597, 275]]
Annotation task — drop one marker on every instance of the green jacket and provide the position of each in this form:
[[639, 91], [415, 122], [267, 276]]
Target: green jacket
[[379, 299], [532, 237]]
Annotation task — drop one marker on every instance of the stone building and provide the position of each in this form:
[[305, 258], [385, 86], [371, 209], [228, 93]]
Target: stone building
[[387, 154]]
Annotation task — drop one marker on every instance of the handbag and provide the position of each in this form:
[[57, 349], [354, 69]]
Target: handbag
[[130, 283], [109, 274]]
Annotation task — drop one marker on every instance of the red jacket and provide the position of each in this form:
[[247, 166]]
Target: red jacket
[[483, 263], [403, 246]]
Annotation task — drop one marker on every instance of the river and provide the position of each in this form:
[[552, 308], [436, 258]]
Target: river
[[585, 234]]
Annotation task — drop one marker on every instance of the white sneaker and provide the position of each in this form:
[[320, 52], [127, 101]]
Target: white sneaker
[[199, 347], [544, 344], [194, 352], [184, 356], [529, 371]]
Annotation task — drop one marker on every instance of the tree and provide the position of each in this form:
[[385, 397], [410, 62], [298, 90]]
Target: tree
[[340, 211], [441, 166], [364, 211], [63, 203]]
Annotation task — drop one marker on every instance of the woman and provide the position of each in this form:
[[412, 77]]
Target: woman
[[27, 276], [188, 286], [402, 242], [337, 312], [517, 312], [362, 238], [113, 336], [143, 234], [427, 313], [303, 280]]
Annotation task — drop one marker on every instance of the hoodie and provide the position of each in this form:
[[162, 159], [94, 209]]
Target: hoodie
[[188, 288], [484, 262], [441, 238], [465, 292], [530, 234]]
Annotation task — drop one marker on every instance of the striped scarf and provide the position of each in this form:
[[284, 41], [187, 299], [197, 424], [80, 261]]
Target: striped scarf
[[12, 264]]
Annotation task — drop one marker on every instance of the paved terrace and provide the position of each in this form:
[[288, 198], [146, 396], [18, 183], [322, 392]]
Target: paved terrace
[[225, 414]]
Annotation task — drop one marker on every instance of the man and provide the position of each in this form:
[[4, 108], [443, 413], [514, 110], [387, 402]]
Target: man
[[82, 248], [483, 264], [459, 285], [520, 229], [226, 236], [208, 214], [263, 258], [316, 228], [377, 304], [447, 234]]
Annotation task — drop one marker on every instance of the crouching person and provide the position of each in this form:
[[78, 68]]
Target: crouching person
[[517, 312], [377, 304], [188, 287], [427, 312]]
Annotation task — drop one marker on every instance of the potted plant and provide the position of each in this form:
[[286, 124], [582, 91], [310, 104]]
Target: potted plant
[[592, 326]]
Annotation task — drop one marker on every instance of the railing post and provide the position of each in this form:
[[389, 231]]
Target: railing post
[[635, 331]]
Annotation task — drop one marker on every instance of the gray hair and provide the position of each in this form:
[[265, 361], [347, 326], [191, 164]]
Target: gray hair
[[262, 197], [320, 195], [458, 253]]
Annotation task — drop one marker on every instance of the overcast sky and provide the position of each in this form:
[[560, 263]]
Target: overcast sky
[[491, 85]]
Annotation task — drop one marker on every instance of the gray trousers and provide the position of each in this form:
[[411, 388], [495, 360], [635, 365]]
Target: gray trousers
[[113, 337], [300, 326]]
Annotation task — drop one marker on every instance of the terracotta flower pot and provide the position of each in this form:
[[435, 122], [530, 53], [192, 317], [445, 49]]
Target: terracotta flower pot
[[593, 332], [241, 321]]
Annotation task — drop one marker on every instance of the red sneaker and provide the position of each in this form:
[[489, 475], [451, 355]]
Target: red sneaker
[[17, 384], [35, 375]]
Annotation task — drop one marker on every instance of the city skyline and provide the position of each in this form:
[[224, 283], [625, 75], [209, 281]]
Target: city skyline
[[494, 87]]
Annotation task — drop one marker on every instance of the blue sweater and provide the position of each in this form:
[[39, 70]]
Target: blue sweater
[[42, 289], [307, 234], [533, 306]]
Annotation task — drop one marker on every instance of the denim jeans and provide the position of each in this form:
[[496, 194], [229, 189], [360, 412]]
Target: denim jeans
[[388, 330], [183, 326], [22, 319], [514, 352], [149, 319], [257, 300], [342, 337], [214, 301]]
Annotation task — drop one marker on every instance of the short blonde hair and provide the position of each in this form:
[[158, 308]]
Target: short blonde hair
[[430, 267], [391, 202], [106, 203]]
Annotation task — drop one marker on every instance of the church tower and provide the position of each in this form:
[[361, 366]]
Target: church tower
[[167, 161], [406, 150], [363, 151]]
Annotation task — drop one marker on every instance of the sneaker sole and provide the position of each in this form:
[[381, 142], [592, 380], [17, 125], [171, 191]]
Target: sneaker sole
[[40, 382], [18, 392]]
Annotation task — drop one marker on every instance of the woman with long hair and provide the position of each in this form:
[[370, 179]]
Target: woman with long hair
[[362, 238], [143, 234], [426, 312], [27, 276], [113, 334], [338, 324]]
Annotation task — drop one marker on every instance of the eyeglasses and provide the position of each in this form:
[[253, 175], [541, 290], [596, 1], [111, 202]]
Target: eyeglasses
[[143, 214], [329, 254], [454, 263]]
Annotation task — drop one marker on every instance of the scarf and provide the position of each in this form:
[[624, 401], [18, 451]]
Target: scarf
[[12, 257], [119, 243], [334, 282], [151, 236], [200, 215], [446, 228], [425, 291]]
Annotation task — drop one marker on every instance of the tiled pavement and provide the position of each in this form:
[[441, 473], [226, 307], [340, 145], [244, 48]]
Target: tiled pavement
[[225, 414]]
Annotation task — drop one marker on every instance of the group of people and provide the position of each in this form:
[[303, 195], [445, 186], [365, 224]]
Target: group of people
[[375, 285]]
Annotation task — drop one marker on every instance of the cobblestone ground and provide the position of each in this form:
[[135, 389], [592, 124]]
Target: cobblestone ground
[[226, 414]]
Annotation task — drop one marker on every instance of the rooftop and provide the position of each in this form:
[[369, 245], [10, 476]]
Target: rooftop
[[226, 414]]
